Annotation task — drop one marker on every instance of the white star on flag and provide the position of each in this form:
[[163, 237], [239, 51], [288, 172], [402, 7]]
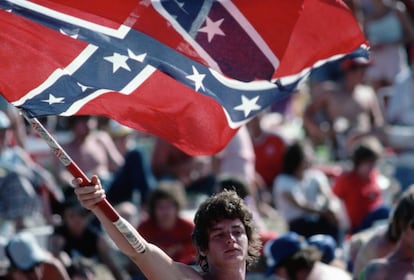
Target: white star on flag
[[53, 99], [181, 5], [248, 105], [197, 78], [83, 87], [74, 34], [139, 58], [212, 28], [118, 61]]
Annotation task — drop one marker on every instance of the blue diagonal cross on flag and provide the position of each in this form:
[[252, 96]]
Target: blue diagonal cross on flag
[[191, 72]]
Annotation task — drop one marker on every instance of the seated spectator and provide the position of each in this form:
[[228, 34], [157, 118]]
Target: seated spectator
[[389, 30], [81, 269], [238, 158], [194, 172], [91, 149], [399, 132], [400, 108], [340, 109], [358, 187], [17, 127], [27, 190], [76, 237], [290, 257], [269, 149], [165, 227], [383, 240], [303, 196], [29, 261], [326, 245], [379, 244], [134, 176], [398, 264]]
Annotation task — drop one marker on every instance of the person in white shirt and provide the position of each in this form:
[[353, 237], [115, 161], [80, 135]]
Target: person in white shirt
[[303, 196]]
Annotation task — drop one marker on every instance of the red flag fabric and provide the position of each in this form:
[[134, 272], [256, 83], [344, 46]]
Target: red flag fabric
[[190, 72]]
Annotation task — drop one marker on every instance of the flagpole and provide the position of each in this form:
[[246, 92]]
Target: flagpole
[[124, 227]]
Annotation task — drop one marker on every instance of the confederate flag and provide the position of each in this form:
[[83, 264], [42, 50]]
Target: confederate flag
[[191, 72]]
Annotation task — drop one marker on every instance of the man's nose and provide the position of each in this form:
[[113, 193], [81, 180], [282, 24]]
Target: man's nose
[[230, 238]]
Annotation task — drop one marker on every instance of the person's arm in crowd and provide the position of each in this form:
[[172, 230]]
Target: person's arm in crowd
[[300, 202], [116, 159], [318, 133]]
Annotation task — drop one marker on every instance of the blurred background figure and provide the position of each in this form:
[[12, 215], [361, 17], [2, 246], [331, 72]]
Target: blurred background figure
[[238, 158], [303, 196], [339, 109], [17, 123], [194, 172], [165, 227], [133, 180], [27, 190], [398, 264], [359, 187], [326, 245], [290, 257], [269, 148], [92, 149], [29, 261], [81, 269], [389, 31], [78, 237], [384, 237]]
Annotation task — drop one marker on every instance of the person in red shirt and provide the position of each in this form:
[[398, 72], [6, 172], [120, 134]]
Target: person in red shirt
[[269, 149], [165, 227], [359, 190]]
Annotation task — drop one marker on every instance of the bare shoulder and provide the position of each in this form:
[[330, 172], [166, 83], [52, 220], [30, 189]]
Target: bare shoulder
[[156, 264], [375, 270], [189, 272]]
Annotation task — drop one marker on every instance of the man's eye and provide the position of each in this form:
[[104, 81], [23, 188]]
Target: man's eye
[[219, 235], [238, 232]]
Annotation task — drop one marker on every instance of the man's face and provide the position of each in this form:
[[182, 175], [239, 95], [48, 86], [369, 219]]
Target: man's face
[[166, 213], [365, 168], [75, 221], [228, 243]]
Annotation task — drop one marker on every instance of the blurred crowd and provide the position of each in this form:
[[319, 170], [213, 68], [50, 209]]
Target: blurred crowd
[[328, 174]]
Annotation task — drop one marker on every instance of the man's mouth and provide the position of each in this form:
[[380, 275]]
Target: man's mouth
[[232, 250]]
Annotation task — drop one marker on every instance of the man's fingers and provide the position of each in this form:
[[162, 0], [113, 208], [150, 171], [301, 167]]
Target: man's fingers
[[95, 180], [90, 190], [77, 182]]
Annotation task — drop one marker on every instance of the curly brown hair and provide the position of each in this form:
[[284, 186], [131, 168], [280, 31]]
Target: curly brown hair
[[402, 215], [222, 206]]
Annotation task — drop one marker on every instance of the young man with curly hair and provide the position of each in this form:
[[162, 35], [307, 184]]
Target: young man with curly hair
[[224, 236]]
